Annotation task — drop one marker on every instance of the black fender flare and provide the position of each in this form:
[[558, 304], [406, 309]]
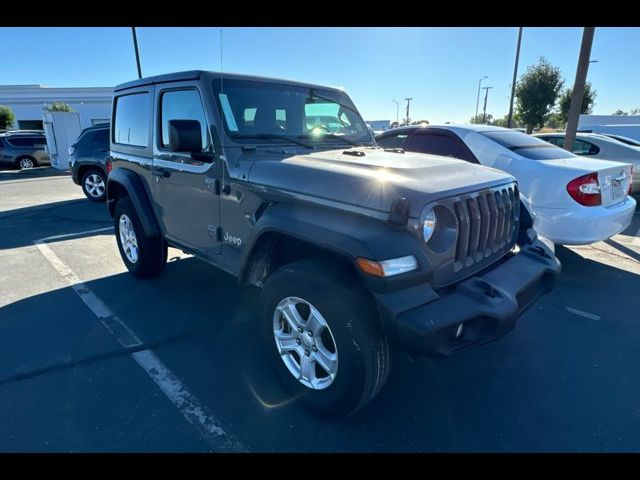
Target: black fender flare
[[344, 233], [130, 182]]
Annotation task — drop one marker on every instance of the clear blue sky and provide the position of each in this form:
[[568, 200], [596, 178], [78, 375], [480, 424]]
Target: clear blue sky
[[438, 67]]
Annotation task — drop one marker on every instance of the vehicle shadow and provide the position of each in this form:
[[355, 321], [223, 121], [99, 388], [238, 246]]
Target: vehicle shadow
[[22, 226], [8, 173], [558, 382]]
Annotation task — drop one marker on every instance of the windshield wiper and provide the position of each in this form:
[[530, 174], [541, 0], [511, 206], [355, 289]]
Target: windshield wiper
[[271, 136], [331, 135]]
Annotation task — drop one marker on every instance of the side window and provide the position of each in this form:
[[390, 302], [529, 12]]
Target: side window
[[584, 148], [557, 141], [24, 141], [131, 125], [182, 105], [440, 144], [85, 139], [393, 141]]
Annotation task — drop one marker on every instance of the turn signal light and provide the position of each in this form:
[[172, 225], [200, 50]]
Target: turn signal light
[[109, 166], [387, 268]]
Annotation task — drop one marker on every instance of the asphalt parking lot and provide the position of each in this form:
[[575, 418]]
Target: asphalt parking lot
[[93, 359]]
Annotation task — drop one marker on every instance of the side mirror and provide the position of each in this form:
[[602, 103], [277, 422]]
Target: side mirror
[[185, 136]]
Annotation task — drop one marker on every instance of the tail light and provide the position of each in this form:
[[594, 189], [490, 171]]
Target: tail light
[[109, 166], [72, 149], [631, 180], [586, 190]]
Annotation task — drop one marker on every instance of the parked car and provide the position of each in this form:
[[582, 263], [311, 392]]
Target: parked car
[[623, 139], [353, 247], [88, 161], [23, 149], [600, 146], [628, 130], [574, 200]]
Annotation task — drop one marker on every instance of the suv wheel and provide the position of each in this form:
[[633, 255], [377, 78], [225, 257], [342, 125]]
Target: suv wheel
[[144, 256], [324, 338], [94, 185], [25, 163]]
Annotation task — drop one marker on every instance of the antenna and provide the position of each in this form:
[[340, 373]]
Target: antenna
[[221, 80]]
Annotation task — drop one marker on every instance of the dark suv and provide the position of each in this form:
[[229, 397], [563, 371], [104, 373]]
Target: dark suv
[[88, 161], [23, 149], [354, 247]]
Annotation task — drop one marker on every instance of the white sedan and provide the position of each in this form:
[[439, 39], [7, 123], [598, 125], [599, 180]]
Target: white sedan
[[573, 200], [595, 145]]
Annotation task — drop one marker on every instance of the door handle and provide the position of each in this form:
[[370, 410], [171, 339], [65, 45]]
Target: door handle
[[160, 173]]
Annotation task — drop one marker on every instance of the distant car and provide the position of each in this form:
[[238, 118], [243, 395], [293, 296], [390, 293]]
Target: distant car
[[603, 147], [88, 161], [623, 139], [23, 149], [573, 200]]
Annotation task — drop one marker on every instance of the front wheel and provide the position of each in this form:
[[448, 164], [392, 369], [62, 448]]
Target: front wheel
[[143, 256], [324, 338]]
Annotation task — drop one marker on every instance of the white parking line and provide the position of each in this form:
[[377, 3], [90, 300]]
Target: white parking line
[[580, 313], [188, 405]]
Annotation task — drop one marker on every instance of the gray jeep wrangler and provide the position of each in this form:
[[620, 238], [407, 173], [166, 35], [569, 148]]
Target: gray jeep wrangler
[[281, 184]]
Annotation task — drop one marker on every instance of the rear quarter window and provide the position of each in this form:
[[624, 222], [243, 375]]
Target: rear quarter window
[[396, 140], [527, 146], [131, 125]]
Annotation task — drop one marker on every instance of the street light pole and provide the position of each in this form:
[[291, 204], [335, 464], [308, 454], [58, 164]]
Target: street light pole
[[578, 87], [478, 98], [408, 100], [515, 74], [486, 95], [135, 46], [397, 111]]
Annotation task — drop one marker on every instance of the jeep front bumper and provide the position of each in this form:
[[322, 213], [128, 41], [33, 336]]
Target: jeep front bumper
[[479, 309]]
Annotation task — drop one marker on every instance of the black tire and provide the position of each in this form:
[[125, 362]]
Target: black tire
[[362, 349], [103, 177], [151, 251], [27, 158]]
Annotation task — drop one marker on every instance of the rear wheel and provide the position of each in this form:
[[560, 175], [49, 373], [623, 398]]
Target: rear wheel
[[143, 256], [324, 338], [25, 163], [94, 185]]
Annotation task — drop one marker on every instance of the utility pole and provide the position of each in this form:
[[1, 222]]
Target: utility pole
[[478, 97], [515, 74], [135, 45], [397, 111], [578, 87], [486, 95], [408, 100]]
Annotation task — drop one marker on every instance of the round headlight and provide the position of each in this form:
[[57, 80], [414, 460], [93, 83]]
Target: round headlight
[[428, 225]]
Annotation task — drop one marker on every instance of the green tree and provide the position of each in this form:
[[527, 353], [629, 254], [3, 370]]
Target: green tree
[[588, 101], [418, 122], [58, 107], [619, 112], [536, 93], [479, 119], [501, 122], [635, 111], [7, 117], [555, 121]]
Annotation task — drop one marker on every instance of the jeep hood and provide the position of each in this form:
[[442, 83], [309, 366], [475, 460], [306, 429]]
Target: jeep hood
[[375, 179]]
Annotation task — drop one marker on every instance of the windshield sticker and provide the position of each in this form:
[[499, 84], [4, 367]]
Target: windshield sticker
[[228, 114]]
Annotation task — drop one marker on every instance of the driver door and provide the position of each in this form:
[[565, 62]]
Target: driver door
[[184, 188]]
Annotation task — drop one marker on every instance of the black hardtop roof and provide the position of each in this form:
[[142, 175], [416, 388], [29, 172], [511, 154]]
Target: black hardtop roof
[[209, 76]]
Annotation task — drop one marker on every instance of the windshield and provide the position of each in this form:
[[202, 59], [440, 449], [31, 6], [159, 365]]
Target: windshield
[[255, 110], [527, 146]]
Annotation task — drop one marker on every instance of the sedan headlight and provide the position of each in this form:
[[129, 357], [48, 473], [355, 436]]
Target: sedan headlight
[[428, 225]]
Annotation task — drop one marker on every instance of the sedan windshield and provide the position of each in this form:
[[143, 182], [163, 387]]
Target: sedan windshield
[[527, 146], [255, 111]]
